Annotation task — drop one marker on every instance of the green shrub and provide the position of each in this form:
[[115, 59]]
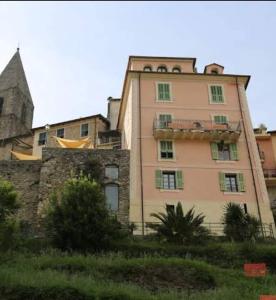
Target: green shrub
[[176, 227], [239, 226], [8, 207], [77, 217]]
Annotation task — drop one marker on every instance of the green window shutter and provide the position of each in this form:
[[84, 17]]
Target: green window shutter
[[241, 185], [167, 91], [179, 179], [158, 179], [214, 93], [160, 91], [222, 181], [214, 150], [220, 119], [219, 94], [234, 152]]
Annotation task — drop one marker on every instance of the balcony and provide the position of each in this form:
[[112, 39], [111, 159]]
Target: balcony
[[270, 177], [196, 130]]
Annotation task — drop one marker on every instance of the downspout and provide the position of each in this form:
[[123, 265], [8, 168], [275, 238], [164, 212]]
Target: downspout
[[250, 159], [141, 157]]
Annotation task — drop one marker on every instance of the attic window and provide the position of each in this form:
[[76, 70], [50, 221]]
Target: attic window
[[147, 69], [214, 71], [176, 70], [162, 69]]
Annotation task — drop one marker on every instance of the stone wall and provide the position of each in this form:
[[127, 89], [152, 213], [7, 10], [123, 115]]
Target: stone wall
[[35, 180], [25, 175]]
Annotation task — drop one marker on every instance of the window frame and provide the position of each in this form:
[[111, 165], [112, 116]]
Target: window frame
[[39, 140], [237, 173], [160, 158], [210, 94], [162, 113], [81, 129], [157, 92], [235, 176], [168, 172], [219, 115], [223, 151], [63, 132]]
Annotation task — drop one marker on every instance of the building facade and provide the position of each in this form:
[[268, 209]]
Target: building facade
[[190, 139]]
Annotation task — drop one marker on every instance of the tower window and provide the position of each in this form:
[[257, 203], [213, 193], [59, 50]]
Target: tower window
[[176, 70], [214, 71], [1, 104], [162, 69]]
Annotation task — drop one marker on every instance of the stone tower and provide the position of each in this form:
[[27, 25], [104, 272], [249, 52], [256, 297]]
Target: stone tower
[[16, 105]]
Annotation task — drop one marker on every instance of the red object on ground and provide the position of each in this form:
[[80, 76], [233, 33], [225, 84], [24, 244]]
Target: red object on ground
[[267, 297], [255, 270]]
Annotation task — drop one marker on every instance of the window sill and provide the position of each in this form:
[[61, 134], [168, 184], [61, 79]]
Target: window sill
[[233, 193], [173, 191], [168, 159], [164, 101], [218, 103], [226, 161]]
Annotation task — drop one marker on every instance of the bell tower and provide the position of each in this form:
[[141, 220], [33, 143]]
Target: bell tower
[[16, 105]]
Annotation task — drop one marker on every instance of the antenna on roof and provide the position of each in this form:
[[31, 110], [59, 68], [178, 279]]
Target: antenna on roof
[[17, 47]]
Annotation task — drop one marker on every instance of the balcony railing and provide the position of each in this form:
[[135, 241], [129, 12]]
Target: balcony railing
[[196, 129]]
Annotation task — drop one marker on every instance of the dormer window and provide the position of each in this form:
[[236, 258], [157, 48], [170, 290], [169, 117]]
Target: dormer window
[[176, 70], [214, 71], [147, 69], [162, 69]]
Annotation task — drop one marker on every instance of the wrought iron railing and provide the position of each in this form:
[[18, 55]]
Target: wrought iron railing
[[269, 173], [204, 125], [216, 229]]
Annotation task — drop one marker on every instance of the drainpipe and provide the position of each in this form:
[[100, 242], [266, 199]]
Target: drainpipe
[[141, 157], [250, 159]]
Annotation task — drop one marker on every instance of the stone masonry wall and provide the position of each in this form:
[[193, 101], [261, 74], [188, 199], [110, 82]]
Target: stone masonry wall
[[35, 180], [25, 176]]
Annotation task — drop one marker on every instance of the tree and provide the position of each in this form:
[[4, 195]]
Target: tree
[[77, 217], [176, 227], [238, 225], [8, 207]]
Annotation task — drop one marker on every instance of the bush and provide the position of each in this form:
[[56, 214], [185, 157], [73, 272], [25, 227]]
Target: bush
[[176, 227], [239, 226], [8, 207], [77, 217]]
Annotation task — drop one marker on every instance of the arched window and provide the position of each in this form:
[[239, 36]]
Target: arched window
[[162, 69], [176, 70], [112, 172], [112, 196], [147, 69], [214, 71]]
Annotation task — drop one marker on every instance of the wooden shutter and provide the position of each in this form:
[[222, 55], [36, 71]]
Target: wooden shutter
[[214, 94], [241, 185], [158, 179], [219, 94], [220, 119], [234, 152], [167, 91], [222, 181], [214, 150], [160, 91], [179, 179]]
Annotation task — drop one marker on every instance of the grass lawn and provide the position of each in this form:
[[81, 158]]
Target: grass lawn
[[57, 275]]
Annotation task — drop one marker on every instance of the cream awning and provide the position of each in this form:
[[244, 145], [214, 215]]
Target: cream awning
[[82, 143], [22, 156]]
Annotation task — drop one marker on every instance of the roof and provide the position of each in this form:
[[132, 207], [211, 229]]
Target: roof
[[211, 65], [76, 120], [164, 57], [14, 76]]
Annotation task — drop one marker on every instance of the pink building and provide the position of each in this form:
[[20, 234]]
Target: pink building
[[191, 140]]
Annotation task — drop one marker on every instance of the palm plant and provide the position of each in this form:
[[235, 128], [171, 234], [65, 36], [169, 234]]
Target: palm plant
[[177, 227], [238, 225]]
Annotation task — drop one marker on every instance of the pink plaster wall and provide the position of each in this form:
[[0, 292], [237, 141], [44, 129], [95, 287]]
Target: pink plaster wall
[[267, 148]]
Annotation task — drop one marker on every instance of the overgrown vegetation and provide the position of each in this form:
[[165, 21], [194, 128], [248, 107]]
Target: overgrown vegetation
[[78, 219], [8, 207], [178, 227], [240, 226]]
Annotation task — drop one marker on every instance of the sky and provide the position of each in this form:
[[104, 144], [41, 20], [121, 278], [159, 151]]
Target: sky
[[75, 53]]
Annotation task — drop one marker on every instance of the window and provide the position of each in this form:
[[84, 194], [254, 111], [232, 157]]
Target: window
[[42, 138], [224, 151], [112, 196], [1, 104], [166, 150], [214, 71], [164, 120], [216, 94], [147, 69], [169, 207], [232, 182], [112, 172], [60, 132], [168, 180], [23, 113], [176, 70], [220, 119], [84, 129], [162, 69], [164, 92]]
